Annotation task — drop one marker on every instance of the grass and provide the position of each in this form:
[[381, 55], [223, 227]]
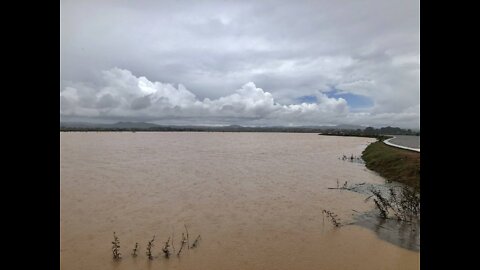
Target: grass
[[393, 164]]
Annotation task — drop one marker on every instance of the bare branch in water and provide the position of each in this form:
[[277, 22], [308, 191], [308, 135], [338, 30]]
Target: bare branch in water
[[188, 241], [195, 243], [184, 241], [165, 249], [173, 236], [134, 254], [149, 248], [333, 218]]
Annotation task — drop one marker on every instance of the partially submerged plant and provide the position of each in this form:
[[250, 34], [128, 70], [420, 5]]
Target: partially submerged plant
[[403, 204], [116, 247], [165, 249], [182, 244], [149, 248], [352, 158], [333, 217], [134, 254], [345, 186], [173, 237], [195, 243], [169, 244], [188, 241]]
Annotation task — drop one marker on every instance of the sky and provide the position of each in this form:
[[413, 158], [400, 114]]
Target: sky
[[252, 63]]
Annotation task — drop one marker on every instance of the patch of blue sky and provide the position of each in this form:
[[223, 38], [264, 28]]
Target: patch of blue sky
[[354, 101], [307, 99]]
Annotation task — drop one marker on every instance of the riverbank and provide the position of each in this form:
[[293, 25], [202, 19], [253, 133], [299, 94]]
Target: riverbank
[[394, 164]]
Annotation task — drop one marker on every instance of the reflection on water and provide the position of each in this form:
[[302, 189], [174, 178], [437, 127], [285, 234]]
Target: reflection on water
[[405, 234], [401, 233]]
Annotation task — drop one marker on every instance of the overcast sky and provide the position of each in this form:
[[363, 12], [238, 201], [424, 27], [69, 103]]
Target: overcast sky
[[241, 62]]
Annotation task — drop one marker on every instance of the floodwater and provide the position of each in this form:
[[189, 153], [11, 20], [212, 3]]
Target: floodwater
[[407, 140], [256, 199]]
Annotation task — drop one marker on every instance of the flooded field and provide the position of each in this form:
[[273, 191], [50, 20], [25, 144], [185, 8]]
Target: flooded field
[[256, 199], [407, 140]]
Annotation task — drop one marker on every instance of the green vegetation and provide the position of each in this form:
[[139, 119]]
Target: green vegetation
[[394, 164], [371, 132]]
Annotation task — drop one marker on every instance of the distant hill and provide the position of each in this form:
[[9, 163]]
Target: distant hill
[[133, 125], [145, 125], [344, 130], [347, 127], [115, 125]]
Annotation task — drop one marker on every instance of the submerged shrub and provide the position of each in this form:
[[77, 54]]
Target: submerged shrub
[[404, 204], [116, 247]]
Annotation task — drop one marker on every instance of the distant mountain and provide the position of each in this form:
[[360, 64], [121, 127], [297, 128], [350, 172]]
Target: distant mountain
[[119, 125], [349, 127], [133, 125], [144, 126]]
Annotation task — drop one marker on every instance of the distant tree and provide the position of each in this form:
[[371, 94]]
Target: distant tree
[[369, 130]]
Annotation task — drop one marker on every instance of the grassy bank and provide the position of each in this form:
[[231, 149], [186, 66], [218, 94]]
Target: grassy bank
[[393, 164]]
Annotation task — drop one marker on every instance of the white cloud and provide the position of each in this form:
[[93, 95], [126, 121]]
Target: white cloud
[[289, 48], [124, 95]]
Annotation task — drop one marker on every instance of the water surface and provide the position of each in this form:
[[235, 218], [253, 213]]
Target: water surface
[[255, 198]]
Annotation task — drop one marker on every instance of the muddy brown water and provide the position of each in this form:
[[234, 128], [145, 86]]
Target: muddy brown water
[[255, 198]]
